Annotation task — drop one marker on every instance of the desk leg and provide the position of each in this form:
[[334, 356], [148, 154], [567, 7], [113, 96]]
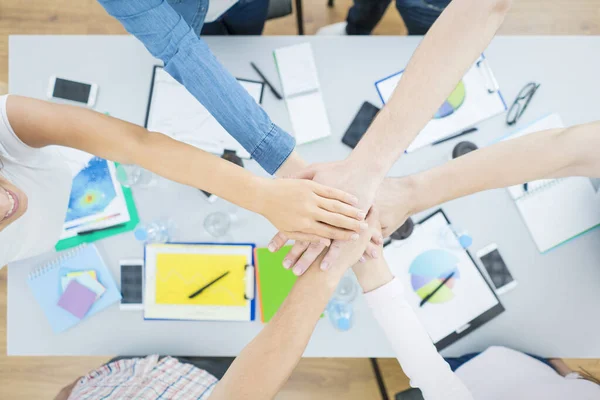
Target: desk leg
[[299, 17]]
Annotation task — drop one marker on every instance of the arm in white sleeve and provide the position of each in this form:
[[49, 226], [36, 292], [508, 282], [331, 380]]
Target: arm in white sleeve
[[414, 350]]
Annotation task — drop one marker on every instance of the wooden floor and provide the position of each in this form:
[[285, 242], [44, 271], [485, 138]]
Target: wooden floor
[[42, 377]]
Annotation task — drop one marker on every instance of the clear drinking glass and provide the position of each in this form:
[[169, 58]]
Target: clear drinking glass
[[130, 175]]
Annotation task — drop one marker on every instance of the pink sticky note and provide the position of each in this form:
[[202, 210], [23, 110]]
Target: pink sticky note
[[77, 299]]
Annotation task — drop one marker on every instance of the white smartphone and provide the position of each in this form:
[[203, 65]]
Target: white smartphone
[[496, 268], [71, 91], [132, 284]]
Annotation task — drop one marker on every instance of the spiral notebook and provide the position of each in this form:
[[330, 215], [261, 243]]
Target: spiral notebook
[[45, 284], [555, 210]]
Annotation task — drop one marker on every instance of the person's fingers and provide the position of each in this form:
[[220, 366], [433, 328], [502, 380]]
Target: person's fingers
[[309, 256], [332, 255], [308, 237], [335, 194], [341, 221], [306, 173], [295, 252], [327, 231], [377, 237], [277, 242], [339, 207], [372, 251]]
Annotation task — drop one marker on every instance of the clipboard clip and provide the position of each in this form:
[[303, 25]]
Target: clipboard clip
[[249, 281], [486, 72], [462, 329]]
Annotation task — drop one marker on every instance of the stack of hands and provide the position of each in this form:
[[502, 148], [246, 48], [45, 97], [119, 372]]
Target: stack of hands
[[332, 202]]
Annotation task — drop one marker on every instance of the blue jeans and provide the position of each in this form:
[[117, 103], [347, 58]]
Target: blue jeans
[[247, 17], [456, 362], [418, 15]]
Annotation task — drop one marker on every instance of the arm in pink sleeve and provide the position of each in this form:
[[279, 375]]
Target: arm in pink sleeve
[[414, 350]]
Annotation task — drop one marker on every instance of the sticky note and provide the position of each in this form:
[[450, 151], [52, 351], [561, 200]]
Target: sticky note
[[77, 299], [87, 281], [90, 272]]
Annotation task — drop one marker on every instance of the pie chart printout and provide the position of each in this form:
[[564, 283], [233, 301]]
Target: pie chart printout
[[429, 269], [453, 103]]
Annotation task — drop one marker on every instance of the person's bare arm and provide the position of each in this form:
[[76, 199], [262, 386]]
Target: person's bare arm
[[453, 43], [305, 209], [553, 153], [448, 50], [265, 364]]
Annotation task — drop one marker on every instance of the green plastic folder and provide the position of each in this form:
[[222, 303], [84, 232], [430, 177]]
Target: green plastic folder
[[274, 281], [134, 219]]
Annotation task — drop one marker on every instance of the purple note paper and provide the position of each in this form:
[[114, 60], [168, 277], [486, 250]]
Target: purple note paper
[[77, 299]]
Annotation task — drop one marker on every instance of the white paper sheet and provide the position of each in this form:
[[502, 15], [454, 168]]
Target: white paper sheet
[[309, 117], [297, 69]]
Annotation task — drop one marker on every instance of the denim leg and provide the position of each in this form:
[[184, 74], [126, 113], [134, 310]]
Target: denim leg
[[456, 362], [247, 17], [419, 15], [364, 15]]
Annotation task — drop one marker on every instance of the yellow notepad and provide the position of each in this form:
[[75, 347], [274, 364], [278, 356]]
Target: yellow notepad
[[180, 275]]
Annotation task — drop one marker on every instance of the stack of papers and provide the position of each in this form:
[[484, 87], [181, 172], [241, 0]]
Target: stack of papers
[[81, 289], [302, 92], [97, 200]]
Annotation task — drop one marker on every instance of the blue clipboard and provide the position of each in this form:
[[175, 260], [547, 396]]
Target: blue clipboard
[[252, 245]]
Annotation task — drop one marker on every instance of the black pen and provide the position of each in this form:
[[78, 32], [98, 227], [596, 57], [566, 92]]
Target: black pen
[[264, 78], [197, 292], [525, 187], [430, 295], [90, 231], [471, 130]]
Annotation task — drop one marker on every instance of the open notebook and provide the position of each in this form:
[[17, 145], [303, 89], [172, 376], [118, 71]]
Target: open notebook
[[301, 89], [176, 271], [555, 210]]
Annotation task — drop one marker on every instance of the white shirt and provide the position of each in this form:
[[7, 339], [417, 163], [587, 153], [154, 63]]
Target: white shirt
[[501, 373], [416, 353], [497, 373], [46, 180]]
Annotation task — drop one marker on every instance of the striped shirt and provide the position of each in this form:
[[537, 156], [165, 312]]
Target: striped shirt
[[144, 379]]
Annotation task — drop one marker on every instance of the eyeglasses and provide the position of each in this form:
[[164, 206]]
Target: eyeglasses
[[521, 102]]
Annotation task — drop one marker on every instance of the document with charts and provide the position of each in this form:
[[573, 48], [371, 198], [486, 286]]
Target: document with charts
[[434, 267], [175, 272]]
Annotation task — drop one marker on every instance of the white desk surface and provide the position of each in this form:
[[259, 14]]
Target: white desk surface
[[552, 312]]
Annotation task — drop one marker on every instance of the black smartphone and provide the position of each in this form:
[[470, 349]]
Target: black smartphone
[[360, 124], [132, 284]]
